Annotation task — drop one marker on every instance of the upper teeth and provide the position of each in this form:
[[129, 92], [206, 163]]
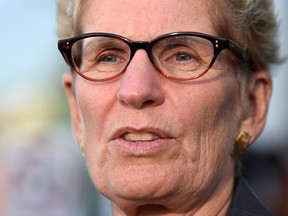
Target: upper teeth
[[140, 137]]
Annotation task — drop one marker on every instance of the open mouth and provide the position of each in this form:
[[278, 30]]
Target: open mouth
[[139, 142], [139, 137]]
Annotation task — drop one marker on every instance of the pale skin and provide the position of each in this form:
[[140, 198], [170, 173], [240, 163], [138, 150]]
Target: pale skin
[[183, 164]]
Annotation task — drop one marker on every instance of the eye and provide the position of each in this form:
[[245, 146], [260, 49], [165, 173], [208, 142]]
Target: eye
[[183, 57], [176, 58], [109, 58], [104, 60], [177, 53]]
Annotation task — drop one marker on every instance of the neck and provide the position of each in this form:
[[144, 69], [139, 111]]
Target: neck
[[216, 204]]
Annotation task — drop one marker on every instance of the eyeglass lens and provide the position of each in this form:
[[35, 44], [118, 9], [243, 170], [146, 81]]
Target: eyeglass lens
[[102, 57]]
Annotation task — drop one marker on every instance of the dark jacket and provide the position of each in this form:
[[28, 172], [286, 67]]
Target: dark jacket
[[245, 202]]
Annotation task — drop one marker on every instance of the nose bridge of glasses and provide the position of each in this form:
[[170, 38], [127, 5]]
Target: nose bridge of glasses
[[141, 45]]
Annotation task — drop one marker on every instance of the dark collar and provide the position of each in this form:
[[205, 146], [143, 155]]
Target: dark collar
[[245, 203]]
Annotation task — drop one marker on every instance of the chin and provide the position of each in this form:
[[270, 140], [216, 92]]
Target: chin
[[138, 182]]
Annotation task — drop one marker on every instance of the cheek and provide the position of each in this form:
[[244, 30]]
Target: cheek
[[211, 120], [94, 112], [95, 103]]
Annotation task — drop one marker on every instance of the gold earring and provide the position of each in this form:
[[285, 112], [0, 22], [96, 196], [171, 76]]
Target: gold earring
[[81, 144], [241, 144]]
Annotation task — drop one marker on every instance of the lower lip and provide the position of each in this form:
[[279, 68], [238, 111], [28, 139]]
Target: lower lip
[[141, 148]]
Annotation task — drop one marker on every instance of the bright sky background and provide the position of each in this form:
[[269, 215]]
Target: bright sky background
[[31, 66], [28, 40]]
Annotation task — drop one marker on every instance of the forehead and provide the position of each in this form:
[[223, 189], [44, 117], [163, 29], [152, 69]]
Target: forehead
[[145, 19]]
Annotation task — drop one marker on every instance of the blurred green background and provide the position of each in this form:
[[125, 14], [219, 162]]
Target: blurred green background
[[42, 171]]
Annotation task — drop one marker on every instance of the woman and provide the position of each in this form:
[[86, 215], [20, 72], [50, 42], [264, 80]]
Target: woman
[[165, 97]]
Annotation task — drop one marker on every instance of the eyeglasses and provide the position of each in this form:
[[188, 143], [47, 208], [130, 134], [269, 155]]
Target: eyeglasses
[[180, 55]]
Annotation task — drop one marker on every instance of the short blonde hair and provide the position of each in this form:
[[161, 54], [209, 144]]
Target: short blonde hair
[[67, 13], [253, 25], [250, 23]]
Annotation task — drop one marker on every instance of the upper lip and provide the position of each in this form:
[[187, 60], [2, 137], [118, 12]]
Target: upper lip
[[121, 132]]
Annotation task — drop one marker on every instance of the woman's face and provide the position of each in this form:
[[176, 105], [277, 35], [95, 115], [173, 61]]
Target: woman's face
[[147, 138]]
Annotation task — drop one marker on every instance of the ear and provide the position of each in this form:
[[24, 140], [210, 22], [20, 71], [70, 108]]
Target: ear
[[257, 102], [68, 83]]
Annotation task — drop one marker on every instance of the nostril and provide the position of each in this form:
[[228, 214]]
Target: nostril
[[148, 103], [136, 101]]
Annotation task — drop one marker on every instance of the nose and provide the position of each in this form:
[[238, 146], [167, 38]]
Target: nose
[[140, 85]]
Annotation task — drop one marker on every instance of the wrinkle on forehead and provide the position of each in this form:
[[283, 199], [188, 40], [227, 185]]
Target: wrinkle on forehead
[[145, 19]]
